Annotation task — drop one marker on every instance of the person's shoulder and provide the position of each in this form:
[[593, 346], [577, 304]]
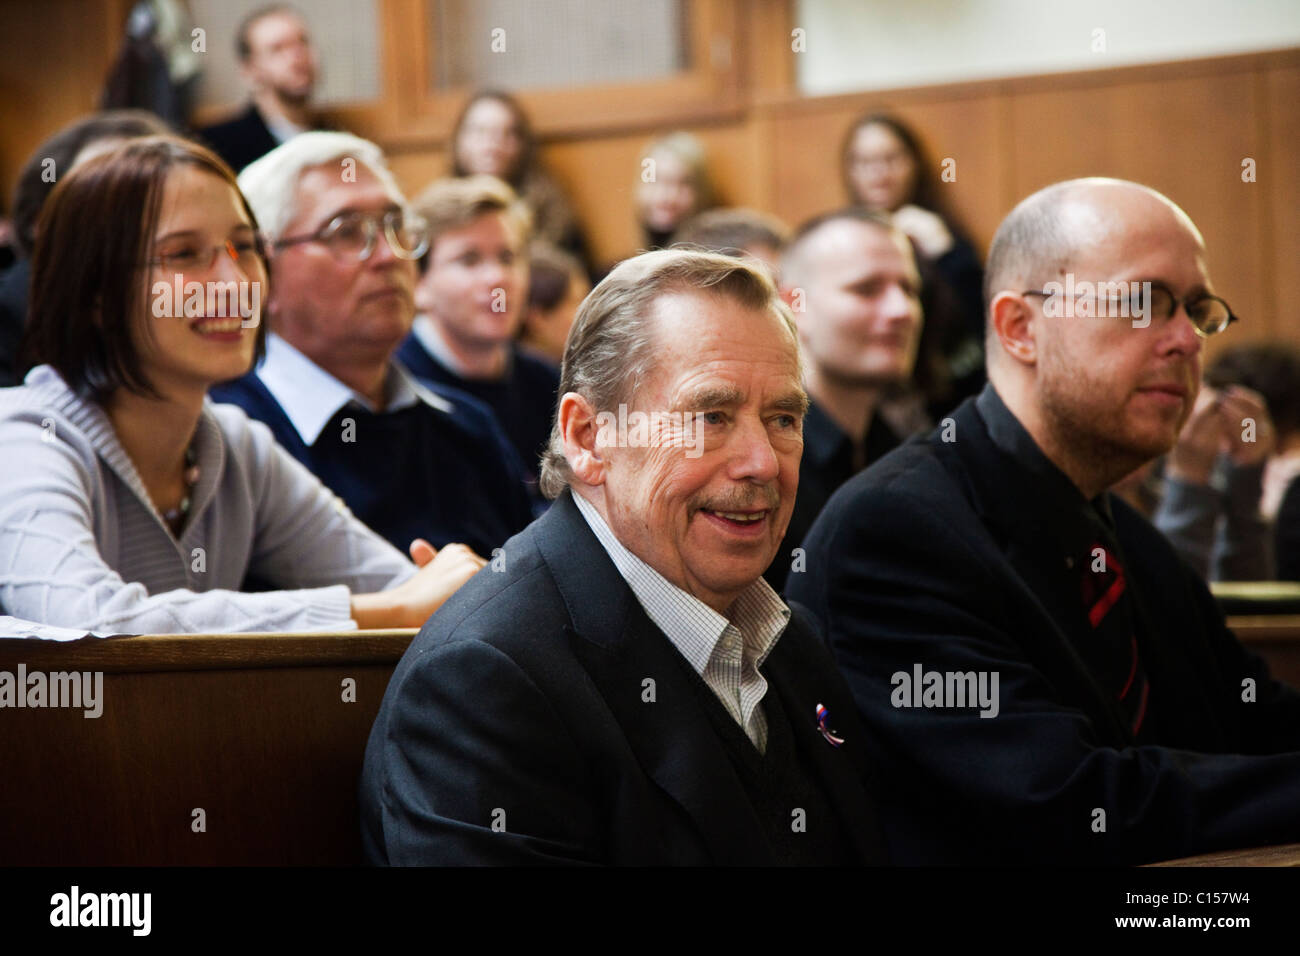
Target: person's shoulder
[[233, 125], [456, 406], [248, 441], [535, 372], [512, 605], [237, 391], [921, 473], [1144, 543], [45, 399], [50, 429]]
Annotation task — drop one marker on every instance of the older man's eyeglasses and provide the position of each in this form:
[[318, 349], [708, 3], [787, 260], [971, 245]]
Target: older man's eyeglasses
[[1209, 314], [355, 234]]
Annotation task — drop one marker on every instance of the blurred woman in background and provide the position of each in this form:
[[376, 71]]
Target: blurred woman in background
[[493, 137], [673, 185], [885, 168]]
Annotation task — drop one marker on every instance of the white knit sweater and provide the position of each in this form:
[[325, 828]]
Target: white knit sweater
[[82, 546]]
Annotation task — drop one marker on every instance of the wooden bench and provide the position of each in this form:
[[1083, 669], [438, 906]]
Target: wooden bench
[[253, 730], [253, 735]]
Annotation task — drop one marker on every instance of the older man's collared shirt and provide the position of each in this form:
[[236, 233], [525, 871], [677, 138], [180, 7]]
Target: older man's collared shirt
[[311, 396], [727, 654]]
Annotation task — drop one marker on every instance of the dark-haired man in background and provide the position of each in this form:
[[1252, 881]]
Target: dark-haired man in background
[[277, 61]]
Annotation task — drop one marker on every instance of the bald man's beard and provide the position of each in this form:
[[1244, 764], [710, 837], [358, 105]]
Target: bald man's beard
[[1086, 423]]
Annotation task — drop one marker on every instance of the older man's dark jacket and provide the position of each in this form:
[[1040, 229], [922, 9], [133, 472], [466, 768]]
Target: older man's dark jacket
[[522, 727], [948, 554]]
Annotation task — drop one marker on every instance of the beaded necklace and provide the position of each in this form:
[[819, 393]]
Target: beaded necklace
[[175, 518]]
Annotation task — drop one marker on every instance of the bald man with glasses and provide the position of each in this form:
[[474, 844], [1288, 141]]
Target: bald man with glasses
[[1045, 681], [418, 463]]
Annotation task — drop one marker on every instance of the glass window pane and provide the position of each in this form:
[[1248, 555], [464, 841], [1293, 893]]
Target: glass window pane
[[524, 44], [345, 34]]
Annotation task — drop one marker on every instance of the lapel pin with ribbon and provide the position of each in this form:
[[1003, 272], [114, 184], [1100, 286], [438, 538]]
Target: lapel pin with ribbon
[[823, 719]]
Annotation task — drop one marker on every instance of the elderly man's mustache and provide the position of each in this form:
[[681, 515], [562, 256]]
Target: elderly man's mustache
[[756, 500]]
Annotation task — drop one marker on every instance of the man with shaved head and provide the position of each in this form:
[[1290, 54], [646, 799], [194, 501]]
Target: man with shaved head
[[852, 282], [1044, 679]]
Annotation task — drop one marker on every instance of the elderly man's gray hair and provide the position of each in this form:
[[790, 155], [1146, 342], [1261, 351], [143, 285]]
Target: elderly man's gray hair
[[608, 353], [270, 183]]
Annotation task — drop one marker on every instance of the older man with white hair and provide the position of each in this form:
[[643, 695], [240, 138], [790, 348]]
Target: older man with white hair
[[629, 690], [1044, 680], [412, 463]]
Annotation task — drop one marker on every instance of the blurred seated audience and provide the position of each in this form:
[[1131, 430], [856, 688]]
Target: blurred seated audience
[[50, 161], [851, 280], [1245, 424], [277, 61], [885, 168], [673, 185], [557, 284], [470, 302], [409, 462], [140, 506], [1252, 488], [493, 137], [738, 232]]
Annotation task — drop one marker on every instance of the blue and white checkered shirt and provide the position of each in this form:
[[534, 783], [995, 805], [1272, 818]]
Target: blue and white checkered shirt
[[726, 653]]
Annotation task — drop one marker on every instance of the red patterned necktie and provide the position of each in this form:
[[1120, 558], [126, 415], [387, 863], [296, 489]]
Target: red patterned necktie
[[1104, 587]]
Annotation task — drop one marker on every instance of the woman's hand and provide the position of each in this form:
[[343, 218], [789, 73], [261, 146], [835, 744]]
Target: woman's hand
[[927, 229], [412, 602], [1192, 457]]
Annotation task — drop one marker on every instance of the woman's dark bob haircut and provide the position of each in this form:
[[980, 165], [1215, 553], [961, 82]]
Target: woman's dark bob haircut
[[90, 276]]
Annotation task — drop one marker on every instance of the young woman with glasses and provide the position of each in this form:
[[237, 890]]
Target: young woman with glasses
[[132, 503]]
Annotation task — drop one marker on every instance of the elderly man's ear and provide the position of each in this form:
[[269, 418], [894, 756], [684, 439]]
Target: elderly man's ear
[[1015, 323], [579, 428]]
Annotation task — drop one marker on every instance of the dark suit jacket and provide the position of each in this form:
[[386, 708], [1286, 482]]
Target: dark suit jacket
[[13, 316], [521, 701], [826, 463], [240, 140], [939, 555]]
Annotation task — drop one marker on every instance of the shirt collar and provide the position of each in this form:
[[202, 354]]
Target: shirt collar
[[427, 334], [1075, 522], [824, 440], [311, 396], [693, 627]]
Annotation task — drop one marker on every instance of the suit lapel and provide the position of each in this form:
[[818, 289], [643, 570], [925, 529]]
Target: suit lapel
[[792, 674], [621, 648], [1054, 646]]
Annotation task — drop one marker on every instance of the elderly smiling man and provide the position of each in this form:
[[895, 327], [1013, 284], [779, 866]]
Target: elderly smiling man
[[627, 689]]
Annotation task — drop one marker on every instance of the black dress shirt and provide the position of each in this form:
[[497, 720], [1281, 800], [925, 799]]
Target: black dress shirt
[[830, 458]]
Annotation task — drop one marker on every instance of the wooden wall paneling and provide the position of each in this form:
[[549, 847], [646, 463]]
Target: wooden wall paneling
[[54, 56], [768, 47], [1279, 184], [1183, 136], [806, 138]]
